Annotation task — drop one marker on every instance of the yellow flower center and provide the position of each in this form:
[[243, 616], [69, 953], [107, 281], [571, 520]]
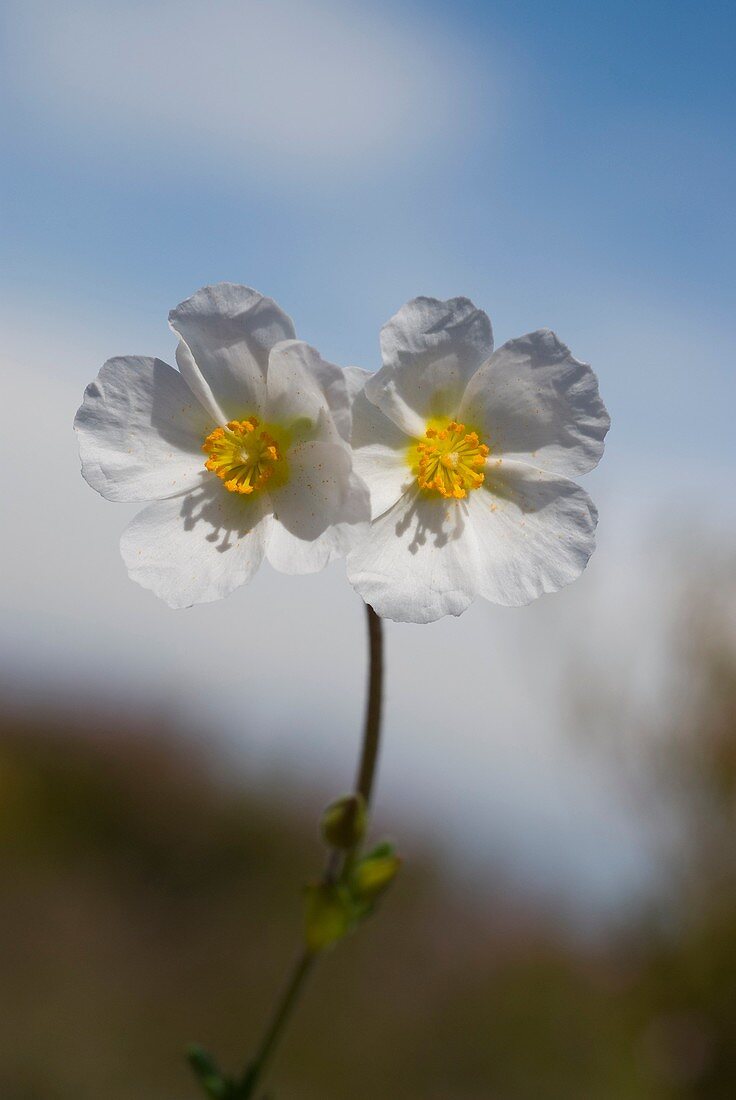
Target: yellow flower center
[[451, 460], [246, 455]]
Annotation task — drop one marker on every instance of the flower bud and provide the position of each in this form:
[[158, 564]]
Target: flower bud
[[328, 915], [374, 874], [344, 821]]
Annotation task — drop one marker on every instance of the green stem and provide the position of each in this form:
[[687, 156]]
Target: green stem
[[364, 785], [374, 703], [281, 1015]]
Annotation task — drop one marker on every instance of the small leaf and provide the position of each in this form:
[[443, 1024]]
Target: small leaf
[[385, 848], [208, 1073]]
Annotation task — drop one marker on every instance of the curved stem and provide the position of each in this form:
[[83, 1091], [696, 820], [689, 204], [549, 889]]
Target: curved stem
[[363, 785], [374, 705]]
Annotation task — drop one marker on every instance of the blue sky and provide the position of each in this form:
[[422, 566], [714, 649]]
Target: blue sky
[[569, 165]]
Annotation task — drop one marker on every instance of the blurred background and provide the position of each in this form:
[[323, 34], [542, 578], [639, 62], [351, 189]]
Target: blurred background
[[565, 924]]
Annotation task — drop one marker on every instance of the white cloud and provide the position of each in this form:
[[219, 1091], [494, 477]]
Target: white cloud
[[309, 85]]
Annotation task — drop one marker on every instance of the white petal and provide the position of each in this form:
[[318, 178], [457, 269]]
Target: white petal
[[193, 377], [535, 402], [418, 562], [355, 380], [318, 491], [430, 349], [290, 554], [535, 531], [140, 431], [197, 548], [303, 385], [379, 449], [230, 331]]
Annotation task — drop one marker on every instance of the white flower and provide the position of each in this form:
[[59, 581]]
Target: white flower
[[273, 421], [467, 453]]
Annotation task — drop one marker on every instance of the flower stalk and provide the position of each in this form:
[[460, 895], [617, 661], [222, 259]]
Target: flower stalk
[[344, 896], [374, 706], [281, 1016]]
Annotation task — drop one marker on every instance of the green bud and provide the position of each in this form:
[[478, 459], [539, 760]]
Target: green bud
[[328, 916], [374, 874], [344, 821]]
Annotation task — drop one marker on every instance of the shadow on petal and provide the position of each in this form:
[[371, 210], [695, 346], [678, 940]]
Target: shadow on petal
[[527, 488], [176, 415], [431, 520], [230, 516]]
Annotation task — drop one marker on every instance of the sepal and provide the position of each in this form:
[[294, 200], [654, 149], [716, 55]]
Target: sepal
[[344, 822]]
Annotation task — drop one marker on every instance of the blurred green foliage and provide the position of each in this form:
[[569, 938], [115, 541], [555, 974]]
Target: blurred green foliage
[[148, 901]]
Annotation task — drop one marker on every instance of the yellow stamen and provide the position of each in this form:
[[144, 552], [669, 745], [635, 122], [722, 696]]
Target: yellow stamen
[[245, 456], [451, 461]]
